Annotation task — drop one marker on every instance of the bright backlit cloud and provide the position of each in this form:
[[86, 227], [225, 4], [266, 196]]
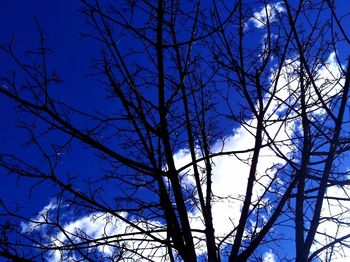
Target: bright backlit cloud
[[268, 13], [335, 224], [269, 257], [41, 218]]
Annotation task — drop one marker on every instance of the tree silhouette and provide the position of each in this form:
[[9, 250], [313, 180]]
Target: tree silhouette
[[221, 135]]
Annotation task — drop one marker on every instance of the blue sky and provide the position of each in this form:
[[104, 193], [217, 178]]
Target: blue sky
[[71, 58], [62, 25]]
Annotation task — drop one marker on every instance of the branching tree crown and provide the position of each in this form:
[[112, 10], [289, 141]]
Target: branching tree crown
[[223, 135]]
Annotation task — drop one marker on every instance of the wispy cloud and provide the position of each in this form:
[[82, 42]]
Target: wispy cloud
[[269, 256], [111, 237], [268, 13], [40, 220]]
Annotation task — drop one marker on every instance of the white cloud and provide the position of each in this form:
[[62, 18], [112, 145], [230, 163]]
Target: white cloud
[[99, 226], [269, 256], [335, 224], [230, 173], [267, 13], [40, 219]]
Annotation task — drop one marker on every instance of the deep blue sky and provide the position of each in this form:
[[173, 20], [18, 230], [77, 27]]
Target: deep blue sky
[[70, 57]]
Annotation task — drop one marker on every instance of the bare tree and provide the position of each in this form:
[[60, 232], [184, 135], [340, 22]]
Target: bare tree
[[176, 183]]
